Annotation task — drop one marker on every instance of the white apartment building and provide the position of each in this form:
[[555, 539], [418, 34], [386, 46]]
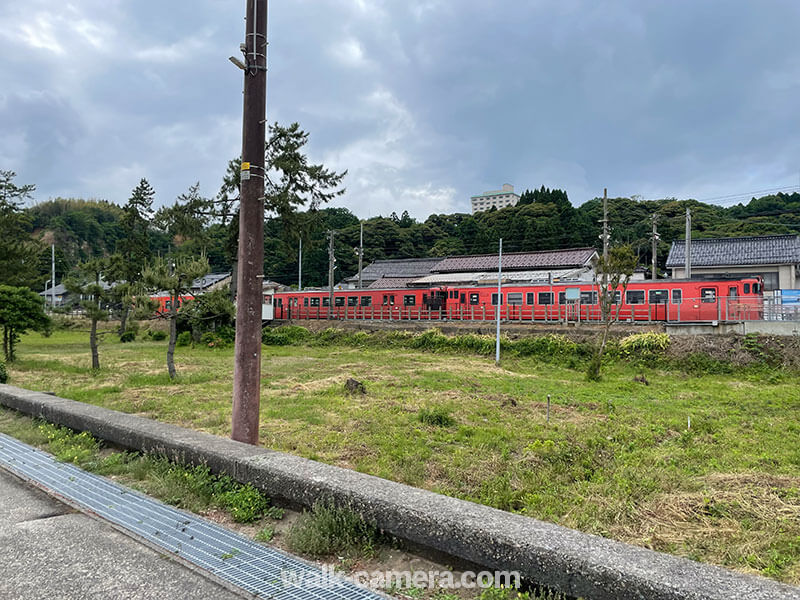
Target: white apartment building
[[497, 198]]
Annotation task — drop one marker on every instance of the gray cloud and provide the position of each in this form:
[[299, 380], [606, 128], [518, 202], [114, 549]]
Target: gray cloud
[[424, 103]]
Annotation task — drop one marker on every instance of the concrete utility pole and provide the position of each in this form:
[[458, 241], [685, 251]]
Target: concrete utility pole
[[300, 267], [331, 261], [655, 245], [688, 247], [499, 301], [360, 254], [250, 256]]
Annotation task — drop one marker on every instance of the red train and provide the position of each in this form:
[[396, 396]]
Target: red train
[[669, 300], [165, 301]]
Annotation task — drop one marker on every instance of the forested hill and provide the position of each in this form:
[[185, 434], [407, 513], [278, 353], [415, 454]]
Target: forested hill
[[544, 219]]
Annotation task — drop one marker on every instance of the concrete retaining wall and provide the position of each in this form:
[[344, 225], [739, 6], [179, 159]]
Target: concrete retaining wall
[[563, 559]]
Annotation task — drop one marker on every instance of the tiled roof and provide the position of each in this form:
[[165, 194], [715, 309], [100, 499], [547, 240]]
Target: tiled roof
[[207, 281], [549, 259], [762, 250], [402, 267], [391, 283], [509, 277]]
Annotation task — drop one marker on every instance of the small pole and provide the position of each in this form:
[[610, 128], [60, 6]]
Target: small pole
[[654, 250], [688, 247], [499, 300], [360, 254], [53, 267], [689, 422], [548, 409], [300, 267], [331, 261]]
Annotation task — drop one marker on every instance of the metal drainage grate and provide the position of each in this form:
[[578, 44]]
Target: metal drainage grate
[[258, 569]]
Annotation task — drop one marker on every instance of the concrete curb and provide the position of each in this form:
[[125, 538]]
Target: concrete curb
[[575, 563]]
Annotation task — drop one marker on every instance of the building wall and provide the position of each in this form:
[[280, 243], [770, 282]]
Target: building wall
[[494, 198], [787, 279]]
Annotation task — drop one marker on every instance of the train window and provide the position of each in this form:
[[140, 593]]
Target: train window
[[268, 300], [529, 298], [474, 298], [314, 301], [326, 301], [658, 296], [617, 297], [352, 301], [338, 301], [494, 299], [708, 295], [425, 299], [366, 300], [279, 301], [167, 304], [733, 291], [463, 298], [746, 288], [562, 298], [756, 288], [515, 298], [385, 299], [677, 296], [391, 299], [588, 297], [177, 303], [409, 300], [545, 298], [305, 301], [634, 297]]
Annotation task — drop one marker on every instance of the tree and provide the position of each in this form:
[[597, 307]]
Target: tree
[[133, 248], [175, 275], [186, 221], [87, 282], [613, 276], [208, 312], [21, 310], [18, 251]]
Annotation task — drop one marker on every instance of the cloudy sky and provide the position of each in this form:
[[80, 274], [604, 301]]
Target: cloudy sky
[[424, 102]]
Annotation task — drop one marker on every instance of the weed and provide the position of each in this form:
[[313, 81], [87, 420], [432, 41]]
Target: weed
[[3, 372], [265, 534], [245, 503], [327, 529], [275, 513], [184, 339], [438, 416]]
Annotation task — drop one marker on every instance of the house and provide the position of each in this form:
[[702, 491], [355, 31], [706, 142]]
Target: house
[[775, 258], [210, 282]]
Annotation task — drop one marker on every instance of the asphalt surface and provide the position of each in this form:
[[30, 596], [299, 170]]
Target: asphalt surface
[[51, 551]]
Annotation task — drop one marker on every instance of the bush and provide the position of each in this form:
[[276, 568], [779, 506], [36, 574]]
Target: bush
[[222, 337], [286, 335], [184, 338], [156, 335], [3, 372], [644, 346], [550, 345], [245, 503], [127, 337]]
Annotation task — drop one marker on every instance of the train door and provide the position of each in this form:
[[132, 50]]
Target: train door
[[709, 302], [436, 301], [657, 299], [572, 302], [267, 306]]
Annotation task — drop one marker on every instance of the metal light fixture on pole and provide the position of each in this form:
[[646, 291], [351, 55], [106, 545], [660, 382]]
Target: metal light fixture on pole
[[250, 255]]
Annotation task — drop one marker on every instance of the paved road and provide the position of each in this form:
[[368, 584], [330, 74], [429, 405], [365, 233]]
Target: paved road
[[49, 551]]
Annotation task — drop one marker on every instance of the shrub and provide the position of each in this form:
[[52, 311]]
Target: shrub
[[127, 336], [546, 345], [3, 372], [327, 529], [286, 335], [184, 338], [438, 416], [644, 346], [156, 335]]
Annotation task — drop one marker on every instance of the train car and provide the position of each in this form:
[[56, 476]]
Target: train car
[[164, 301], [667, 300]]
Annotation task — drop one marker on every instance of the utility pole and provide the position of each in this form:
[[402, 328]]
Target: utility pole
[[331, 261], [53, 275], [688, 246], [300, 267], [360, 254], [655, 246], [250, 255], [499, 302]]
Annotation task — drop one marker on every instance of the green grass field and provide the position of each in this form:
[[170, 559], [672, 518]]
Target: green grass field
[[617, 458]]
